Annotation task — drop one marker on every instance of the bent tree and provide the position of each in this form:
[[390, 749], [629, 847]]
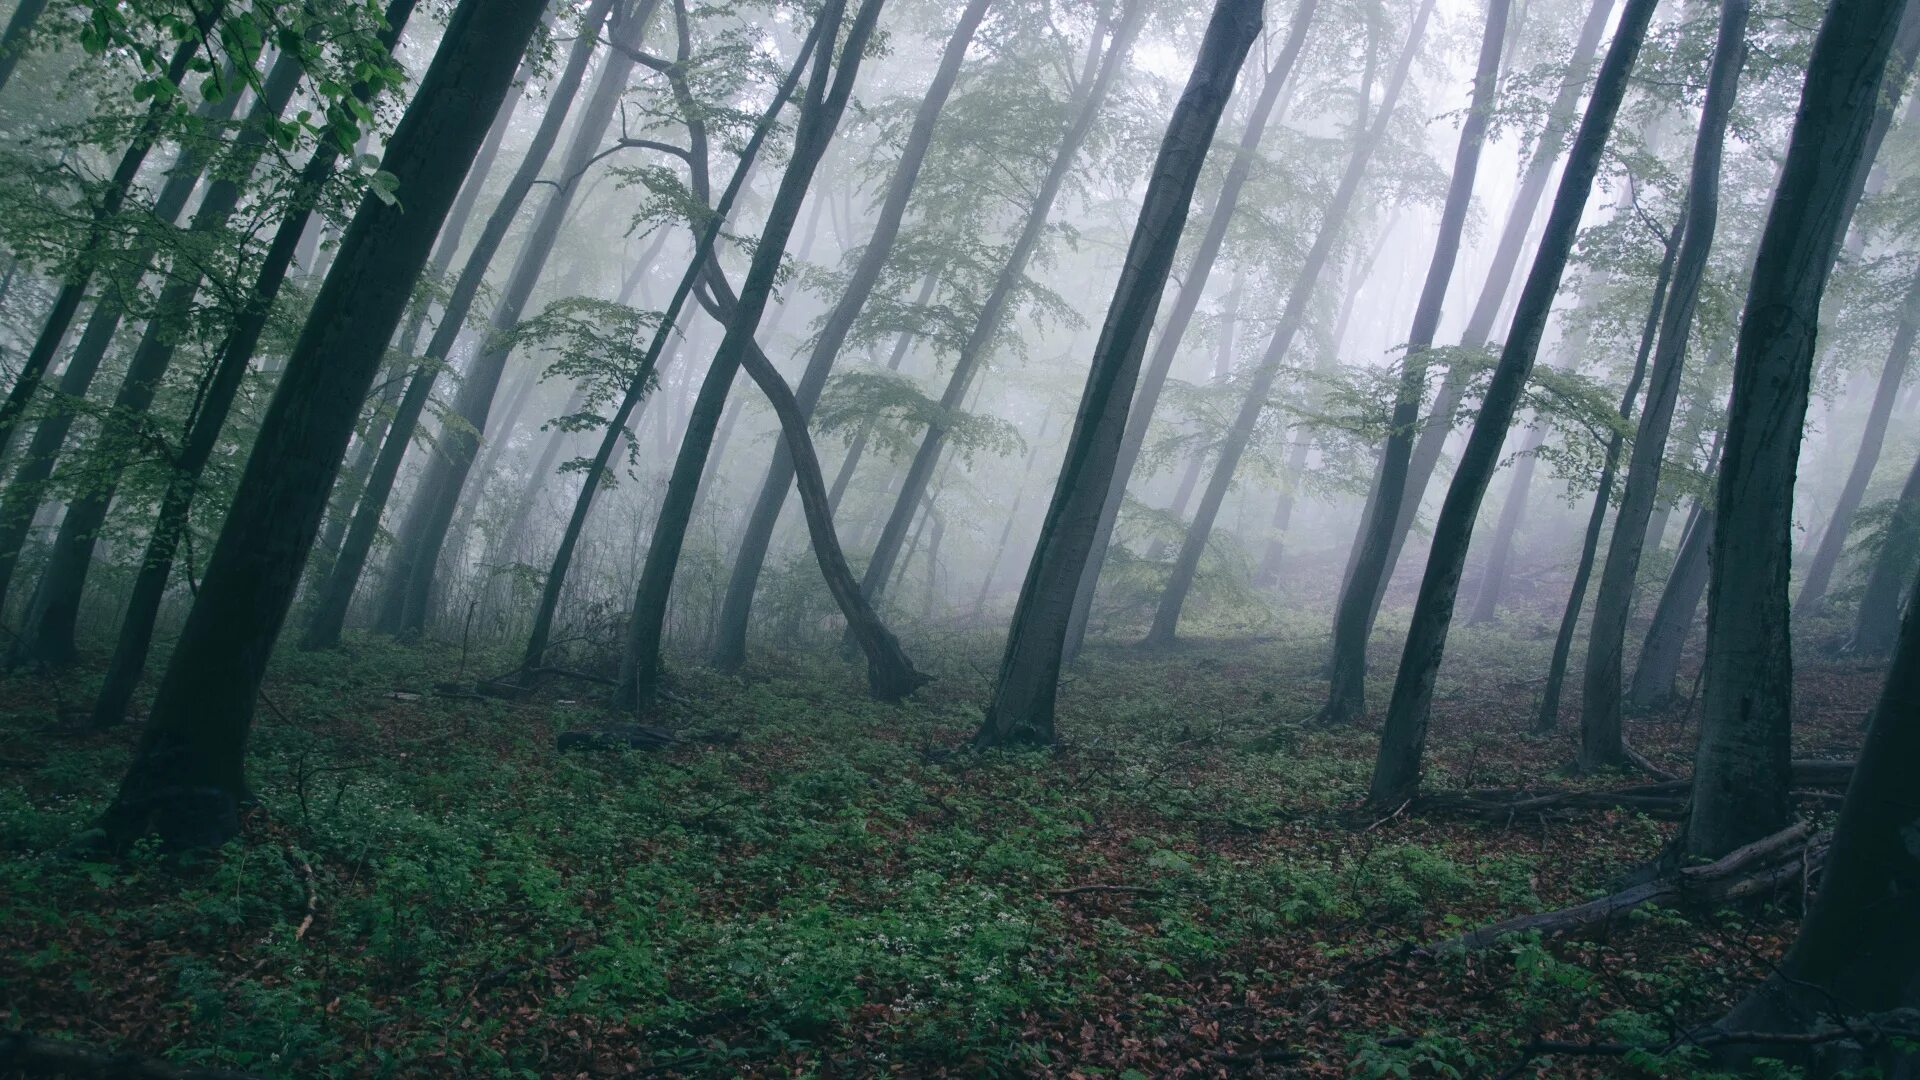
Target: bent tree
[[1741, 767], [1396, 770], [1353, 621], [188, 775], [1021, 709]]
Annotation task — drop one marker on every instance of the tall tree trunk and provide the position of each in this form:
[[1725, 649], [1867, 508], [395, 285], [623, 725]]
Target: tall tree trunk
[[14, 43], [1097, 82], [1353, 619], [1166, 618], [1493, 577], [330, 607], [1878, 619], [645, 376], [1430, 441], [408, 589], [1601, 742], [730, 646], [858, 447], [210, 416], [1021, 709], [1013, 516], [820, 116], [1857, 952], [1548, 715], [1659, 663], [101, 227], [53, 615], [1153, 378], [1833, 542], [1396, 773], [1741, 765], [187, 778], [1268, 573]]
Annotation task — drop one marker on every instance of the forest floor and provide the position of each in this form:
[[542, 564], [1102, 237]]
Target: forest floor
[[813, 884]]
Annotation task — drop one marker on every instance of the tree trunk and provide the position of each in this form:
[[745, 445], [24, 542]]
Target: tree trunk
[[1268, 573], [819, 117], [187, 778], [408, 589], [645, 377], [1013, 515], [1601, 742], [1396, 773], [1493, 577], [1741, 771], [1167, 617], [858, 447], [1548, 716], [1021, 709], [19, 31], [1097, 81], [1858, 950], [1833, 542], [1545, 152], [1877, 623], [730, 646], [1153, 378], [209, 418], [330, 607], [101, 227], [47, 635]]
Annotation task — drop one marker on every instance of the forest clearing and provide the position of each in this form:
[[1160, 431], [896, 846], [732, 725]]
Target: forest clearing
[[1084, 538]]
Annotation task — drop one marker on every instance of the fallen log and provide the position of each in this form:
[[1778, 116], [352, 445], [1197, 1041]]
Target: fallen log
[[22, 1054], [1783, 860], [1667, 798]]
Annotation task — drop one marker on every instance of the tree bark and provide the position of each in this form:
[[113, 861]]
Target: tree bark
[[1833, 542], [1493, 577], [730, 645], [1877, 623], [1021, 708], [187, 778], [209, 418], [1396, 773], [1097, 81], [1153, 378], [1659, 664], [1166, 618], [329, 615], [819, 117], [1601, 742], [1740, 787], [13, 44]]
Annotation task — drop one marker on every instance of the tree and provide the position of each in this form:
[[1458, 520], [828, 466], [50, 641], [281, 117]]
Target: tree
[[187, 778], [329, 614], [1021, 709], [1874, 628], [819, 117], [1166, 617], [1186, 301], [1396, 771], [730, 646], [17, 38], [1741, 766], [1601, 743], [1353, 621], [1096, 83]]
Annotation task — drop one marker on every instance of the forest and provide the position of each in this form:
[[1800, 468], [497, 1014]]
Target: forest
[[952, 538]]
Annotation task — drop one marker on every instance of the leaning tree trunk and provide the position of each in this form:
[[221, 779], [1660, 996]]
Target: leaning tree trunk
[[730, 645], [913, 486], [188, 777], [1741, 770], [47, 635], [819, 117], [329, 614], [1021, 709], [210, 417], [1493, 576], [1601, 742], [1813, 588], [1153, 378], [1493, 291], [645, 376], [1396, 772], [408, 589], [1353, 621], [1878, 619], [1166, 618], [1858, 950], [100, 232]]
